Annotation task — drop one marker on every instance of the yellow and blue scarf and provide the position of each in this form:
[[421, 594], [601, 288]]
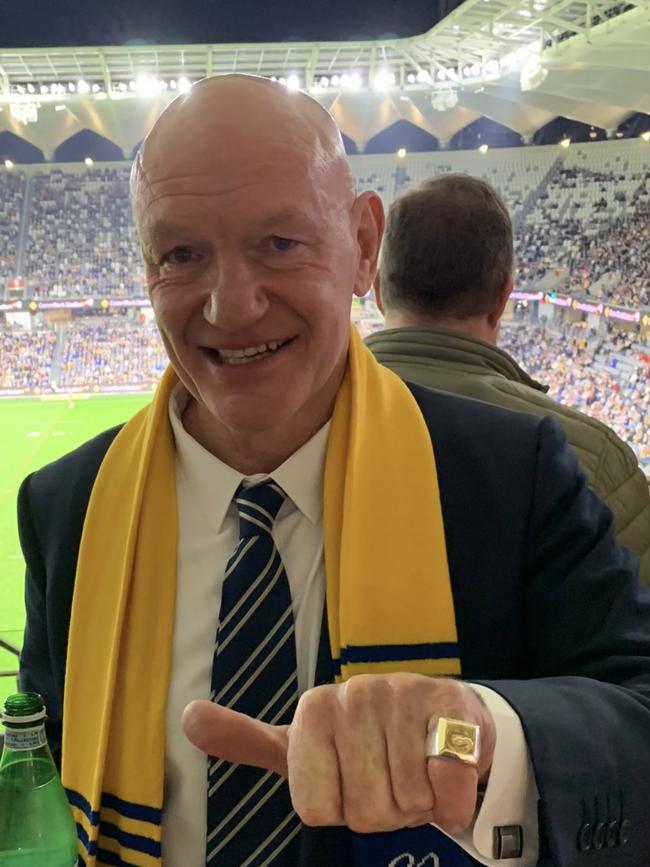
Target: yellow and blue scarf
[[389, 598]]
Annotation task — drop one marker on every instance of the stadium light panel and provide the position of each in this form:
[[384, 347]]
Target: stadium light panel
[[31, 88], [293, 82], [184, 84], [71, 87], [424, 77], [324, 82], [410, 78], [401, 153], [355, 81], [335, 81], [383, 80], [9, 164], [172, 84], [148, 86], [646, 135], [44, 89], [483, 149], [89, 161], [565, 142], [83, 87]]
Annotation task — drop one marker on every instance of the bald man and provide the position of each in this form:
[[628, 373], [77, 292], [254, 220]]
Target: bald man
[[254, 244]]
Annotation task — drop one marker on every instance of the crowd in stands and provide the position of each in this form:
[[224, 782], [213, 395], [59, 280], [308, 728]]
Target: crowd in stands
[[607, 378], [12, 186], [98, 354], [26, 359], [81, 238]]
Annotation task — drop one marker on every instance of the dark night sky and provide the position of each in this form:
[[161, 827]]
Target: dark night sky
[[25, 23]]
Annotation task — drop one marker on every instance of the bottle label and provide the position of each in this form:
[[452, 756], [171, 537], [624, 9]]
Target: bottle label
[[25, 739]]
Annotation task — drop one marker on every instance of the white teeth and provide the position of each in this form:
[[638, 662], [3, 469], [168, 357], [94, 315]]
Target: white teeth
[[250, 353]]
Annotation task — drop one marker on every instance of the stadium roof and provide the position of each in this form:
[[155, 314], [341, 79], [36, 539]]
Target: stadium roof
[[519, 62]]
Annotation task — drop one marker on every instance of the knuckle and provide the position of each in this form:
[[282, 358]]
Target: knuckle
[[453, 818], [414, 802], [314, 815], [364, 822]]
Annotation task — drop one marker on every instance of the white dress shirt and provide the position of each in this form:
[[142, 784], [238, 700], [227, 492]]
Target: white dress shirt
[[208, 534]]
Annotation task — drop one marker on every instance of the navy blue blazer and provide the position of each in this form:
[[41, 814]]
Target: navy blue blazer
[[549, 614]]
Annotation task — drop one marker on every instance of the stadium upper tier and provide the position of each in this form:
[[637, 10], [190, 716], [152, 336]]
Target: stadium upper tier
[[578, 213]]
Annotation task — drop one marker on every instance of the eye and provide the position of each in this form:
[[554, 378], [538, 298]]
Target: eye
[[178, 256], [281, 245]]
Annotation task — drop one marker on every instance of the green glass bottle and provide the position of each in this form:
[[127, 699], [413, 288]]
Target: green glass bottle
[[36, 824]]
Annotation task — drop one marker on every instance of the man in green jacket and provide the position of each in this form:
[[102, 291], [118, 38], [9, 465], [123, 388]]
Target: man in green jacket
[[446, 275]]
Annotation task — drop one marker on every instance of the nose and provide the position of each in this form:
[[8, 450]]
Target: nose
[[236, 298]]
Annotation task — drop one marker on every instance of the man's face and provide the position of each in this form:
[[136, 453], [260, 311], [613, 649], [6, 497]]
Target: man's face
[[252, 261]]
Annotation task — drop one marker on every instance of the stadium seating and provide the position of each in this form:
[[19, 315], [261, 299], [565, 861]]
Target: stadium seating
[[576, 212], [608, 378], [12, 190], [26, 359], [81, 239], [99, 354]]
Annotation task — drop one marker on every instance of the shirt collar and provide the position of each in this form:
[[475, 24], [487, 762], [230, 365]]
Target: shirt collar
[[214, 483]]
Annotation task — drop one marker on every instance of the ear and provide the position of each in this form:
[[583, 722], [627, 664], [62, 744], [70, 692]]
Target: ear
[[368, 212], [377, 292], [494, 316]]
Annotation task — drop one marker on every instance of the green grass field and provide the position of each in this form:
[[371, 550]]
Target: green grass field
[[35, 432]]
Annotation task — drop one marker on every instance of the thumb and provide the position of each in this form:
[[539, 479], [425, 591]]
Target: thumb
[[235, 737]]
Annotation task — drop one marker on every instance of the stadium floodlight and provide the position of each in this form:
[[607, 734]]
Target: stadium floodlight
[[356, 81], [476, 69], [410, 78], [483, 149], [89, 161], [424, 77], [383, 80], [71, 87], [31, 88], [9, 164], [282, 80], [401, 153], [324, 82], [565, 142], [646, 135], [83, 87], [44, 89], [60, 107], [335, 81], [184, 84], [148, 86], [293, 81], [172, 84], [452, 74], [441, 74]]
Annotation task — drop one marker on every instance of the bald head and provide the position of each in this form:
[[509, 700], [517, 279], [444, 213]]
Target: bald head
[[238, 116]]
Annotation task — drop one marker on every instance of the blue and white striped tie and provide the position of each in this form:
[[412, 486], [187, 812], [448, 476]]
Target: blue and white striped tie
[[250, 819]]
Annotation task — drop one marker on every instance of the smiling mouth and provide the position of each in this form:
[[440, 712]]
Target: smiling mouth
[[235, 357]]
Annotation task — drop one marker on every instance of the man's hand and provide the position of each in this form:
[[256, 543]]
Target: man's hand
[[355, 752]]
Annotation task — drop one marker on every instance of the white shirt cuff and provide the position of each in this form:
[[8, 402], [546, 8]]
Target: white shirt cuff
[[511, 795]]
